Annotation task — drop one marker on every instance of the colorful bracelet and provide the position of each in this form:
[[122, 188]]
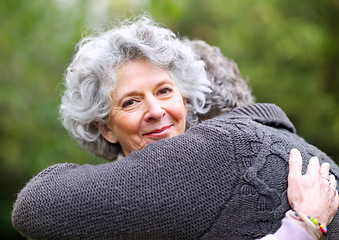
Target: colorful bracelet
[[319, 229]]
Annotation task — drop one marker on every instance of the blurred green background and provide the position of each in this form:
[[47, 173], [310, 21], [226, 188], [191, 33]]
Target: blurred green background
[[288, 49]]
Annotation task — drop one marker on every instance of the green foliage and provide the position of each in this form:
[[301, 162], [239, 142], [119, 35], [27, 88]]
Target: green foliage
[[36, 43], [288, 49]]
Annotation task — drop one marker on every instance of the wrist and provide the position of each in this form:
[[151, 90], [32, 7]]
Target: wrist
[[311, 225]]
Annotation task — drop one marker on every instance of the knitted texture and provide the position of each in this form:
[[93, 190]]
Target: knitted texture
[[225, 178]]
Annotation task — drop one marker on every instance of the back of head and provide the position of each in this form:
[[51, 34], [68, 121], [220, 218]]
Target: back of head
[[229, 89]]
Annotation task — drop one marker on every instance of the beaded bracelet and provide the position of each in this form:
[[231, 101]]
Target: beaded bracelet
[[319, 229]]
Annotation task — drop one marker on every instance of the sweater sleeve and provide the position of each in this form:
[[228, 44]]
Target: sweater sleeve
[[291, 228], [158, 192], [222, 179]]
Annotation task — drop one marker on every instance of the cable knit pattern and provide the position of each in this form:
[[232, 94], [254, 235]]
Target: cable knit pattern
[[225, 178]]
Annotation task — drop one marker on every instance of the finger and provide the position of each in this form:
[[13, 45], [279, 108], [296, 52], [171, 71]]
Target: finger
[[336, 200], [333, 181], [324, 170], [313, 167], [295, 163], [334, 207], [333, 193], [330, 186]]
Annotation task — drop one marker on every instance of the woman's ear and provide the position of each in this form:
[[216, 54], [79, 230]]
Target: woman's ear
[[185, 103], [106, 132]]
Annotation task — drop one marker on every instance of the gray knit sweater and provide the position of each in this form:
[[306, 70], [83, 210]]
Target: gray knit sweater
[[225, 178]]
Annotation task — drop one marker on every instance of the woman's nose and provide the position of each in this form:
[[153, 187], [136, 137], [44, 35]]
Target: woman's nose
[[154, 110]]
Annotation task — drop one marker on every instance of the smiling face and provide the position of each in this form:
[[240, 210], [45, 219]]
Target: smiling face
[[147, 107]]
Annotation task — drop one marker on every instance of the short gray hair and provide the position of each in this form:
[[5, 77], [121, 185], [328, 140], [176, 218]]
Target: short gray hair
[[91, 76], [229, 89]]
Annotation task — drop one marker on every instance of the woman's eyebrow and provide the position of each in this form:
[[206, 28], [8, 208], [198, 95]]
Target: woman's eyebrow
[[165, 81]]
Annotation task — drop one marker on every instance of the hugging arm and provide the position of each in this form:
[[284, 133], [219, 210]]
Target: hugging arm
[[187, 187], [158, 192], [68, 201], [314, 195]]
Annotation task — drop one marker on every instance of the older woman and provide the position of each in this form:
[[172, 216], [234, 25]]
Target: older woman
[[122, 80], [224, 178]]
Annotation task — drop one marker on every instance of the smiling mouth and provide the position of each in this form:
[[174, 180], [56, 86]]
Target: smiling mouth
[[158, 133]]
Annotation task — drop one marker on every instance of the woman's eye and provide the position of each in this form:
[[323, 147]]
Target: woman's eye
[[165, 91], [128, 103]]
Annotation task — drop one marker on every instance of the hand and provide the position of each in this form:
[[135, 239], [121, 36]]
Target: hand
[[313, 194]]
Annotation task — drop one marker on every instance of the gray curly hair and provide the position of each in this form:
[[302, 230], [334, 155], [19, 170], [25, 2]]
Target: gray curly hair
[[91, 76], [229, 89]]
